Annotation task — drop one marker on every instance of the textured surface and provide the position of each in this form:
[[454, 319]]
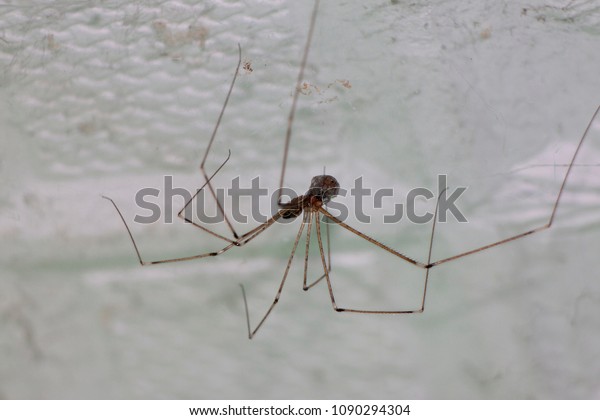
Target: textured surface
[[107, 97]]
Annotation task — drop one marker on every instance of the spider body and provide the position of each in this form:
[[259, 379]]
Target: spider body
[[322, 189]]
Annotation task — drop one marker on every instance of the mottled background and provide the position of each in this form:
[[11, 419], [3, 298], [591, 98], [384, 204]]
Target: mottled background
[[107, 97]]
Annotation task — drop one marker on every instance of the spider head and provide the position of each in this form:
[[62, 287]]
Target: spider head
[[324, 188]]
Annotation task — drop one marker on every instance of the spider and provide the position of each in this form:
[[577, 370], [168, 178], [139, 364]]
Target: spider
[[311, 206]]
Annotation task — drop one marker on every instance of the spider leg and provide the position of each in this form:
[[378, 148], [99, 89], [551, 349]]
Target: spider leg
[[288, 134], [238, 240], [137, 251], [253, 233], [368, 238], [220, 208], [251, 332], [309, 216], [244, 239], [362, 311], [534, 230], [308, 232]]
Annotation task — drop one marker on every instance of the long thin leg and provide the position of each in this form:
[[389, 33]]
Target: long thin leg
[[435, 216], [368, 238], [251, 332], [248, 236], [142, 262], [244, 239], [308, 232], [328, 247], [537, 229], [362, 311], [288, 134], [206, 177], [309, 216]]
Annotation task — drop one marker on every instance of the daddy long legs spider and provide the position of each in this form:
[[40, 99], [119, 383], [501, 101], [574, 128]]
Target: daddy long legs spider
[[311, 207]]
